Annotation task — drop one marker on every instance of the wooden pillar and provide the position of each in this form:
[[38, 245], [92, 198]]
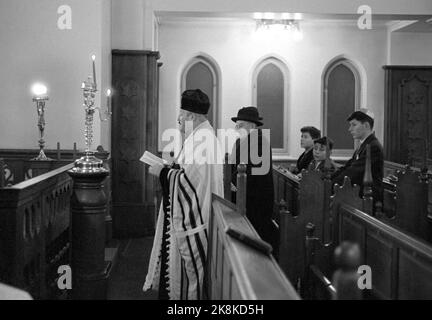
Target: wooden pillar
[[105, 157], [2, 173], [89, 209], [227, 178], [368, 183], [345, 279], [241, 189]]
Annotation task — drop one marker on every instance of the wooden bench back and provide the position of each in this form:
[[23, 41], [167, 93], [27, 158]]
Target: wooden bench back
[[236, 270]]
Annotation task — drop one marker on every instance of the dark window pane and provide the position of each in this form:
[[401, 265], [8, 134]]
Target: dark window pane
[[200, 77], [270, 102], [340, 104]]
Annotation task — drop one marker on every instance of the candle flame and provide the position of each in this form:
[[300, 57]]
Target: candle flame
[[39, 89], [93, 57], [108, 92]]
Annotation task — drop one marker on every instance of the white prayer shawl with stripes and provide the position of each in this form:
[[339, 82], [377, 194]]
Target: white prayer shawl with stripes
[[190, 194]]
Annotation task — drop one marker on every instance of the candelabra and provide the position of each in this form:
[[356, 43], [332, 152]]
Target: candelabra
[[40, 97], [89, 163]]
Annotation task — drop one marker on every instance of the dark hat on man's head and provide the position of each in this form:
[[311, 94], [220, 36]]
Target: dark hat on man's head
[[195, 101], [248, 114], [362, 115], [324, 140]]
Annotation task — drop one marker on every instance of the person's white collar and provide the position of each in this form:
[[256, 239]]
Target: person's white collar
[[361, 141]]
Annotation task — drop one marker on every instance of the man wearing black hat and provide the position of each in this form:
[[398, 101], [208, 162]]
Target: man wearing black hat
[[259, 186], [179, 253], [361, 128]]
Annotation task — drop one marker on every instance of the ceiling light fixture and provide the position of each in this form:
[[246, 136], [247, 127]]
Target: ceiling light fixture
[[291, 25]]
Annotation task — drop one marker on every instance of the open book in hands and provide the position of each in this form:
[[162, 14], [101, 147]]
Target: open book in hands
[[150, 159]]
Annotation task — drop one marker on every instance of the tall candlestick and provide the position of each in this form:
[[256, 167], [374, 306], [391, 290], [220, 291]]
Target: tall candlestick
[[108, 93], [40, 97], [94, 70]]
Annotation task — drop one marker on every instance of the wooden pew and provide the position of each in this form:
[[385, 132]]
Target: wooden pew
[[321, 185], [401, 264], [35, 233], [406, 203], [285, 188], [238, 271]]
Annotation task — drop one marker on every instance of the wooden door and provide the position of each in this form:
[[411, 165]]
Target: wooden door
[[408, 114]]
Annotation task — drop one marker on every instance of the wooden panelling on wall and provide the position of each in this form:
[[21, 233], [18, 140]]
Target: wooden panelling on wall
[[408, 114], [134, 130]]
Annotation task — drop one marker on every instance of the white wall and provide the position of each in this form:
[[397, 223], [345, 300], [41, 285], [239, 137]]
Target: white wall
[[34, 49], [236, 50], [409, 48]]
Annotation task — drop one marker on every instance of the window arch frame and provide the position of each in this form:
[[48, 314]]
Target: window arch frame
[[359, 95], [282, 66], [215, 72]]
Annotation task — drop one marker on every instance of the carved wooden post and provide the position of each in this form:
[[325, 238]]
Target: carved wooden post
[[327, 162], [345, 279], [58, 151], [379, 214], [310, 242], [105, 157], [2, 173], [74, 155], [89, 209], [368, 181], [241, 189], [227, 178]]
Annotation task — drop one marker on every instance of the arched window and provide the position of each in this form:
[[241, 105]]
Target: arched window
[[202, 73], [341, 97], [270, 96]]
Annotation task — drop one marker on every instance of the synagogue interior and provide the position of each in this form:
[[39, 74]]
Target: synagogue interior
[[88, 86]]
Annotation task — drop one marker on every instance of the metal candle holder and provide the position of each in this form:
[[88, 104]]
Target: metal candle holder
[[89, 163], [40, 107]]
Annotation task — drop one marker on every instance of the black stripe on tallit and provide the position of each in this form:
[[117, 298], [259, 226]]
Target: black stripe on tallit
[[181, 281], [193, 223], [173, 173], [163, 292], [196, 199], [190, 247], [187, 281]]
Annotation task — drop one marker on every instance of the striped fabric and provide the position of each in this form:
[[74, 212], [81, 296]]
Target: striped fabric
[[179, 251]]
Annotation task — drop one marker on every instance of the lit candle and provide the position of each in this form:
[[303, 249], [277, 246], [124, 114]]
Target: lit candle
[[108, 93], [39, 90], [94, 70]]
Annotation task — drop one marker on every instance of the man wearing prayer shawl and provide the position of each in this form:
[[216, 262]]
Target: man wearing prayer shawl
[[179, 252]]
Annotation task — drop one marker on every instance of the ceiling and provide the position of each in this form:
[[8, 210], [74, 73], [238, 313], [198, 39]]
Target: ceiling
[[397, 23]]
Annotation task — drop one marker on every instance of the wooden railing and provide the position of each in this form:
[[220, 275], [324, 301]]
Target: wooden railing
[[285, 188], [35, 233], [238, 271]]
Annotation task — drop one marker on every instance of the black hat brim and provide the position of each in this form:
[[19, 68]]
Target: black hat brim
[[257, 122], [358, 115]]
